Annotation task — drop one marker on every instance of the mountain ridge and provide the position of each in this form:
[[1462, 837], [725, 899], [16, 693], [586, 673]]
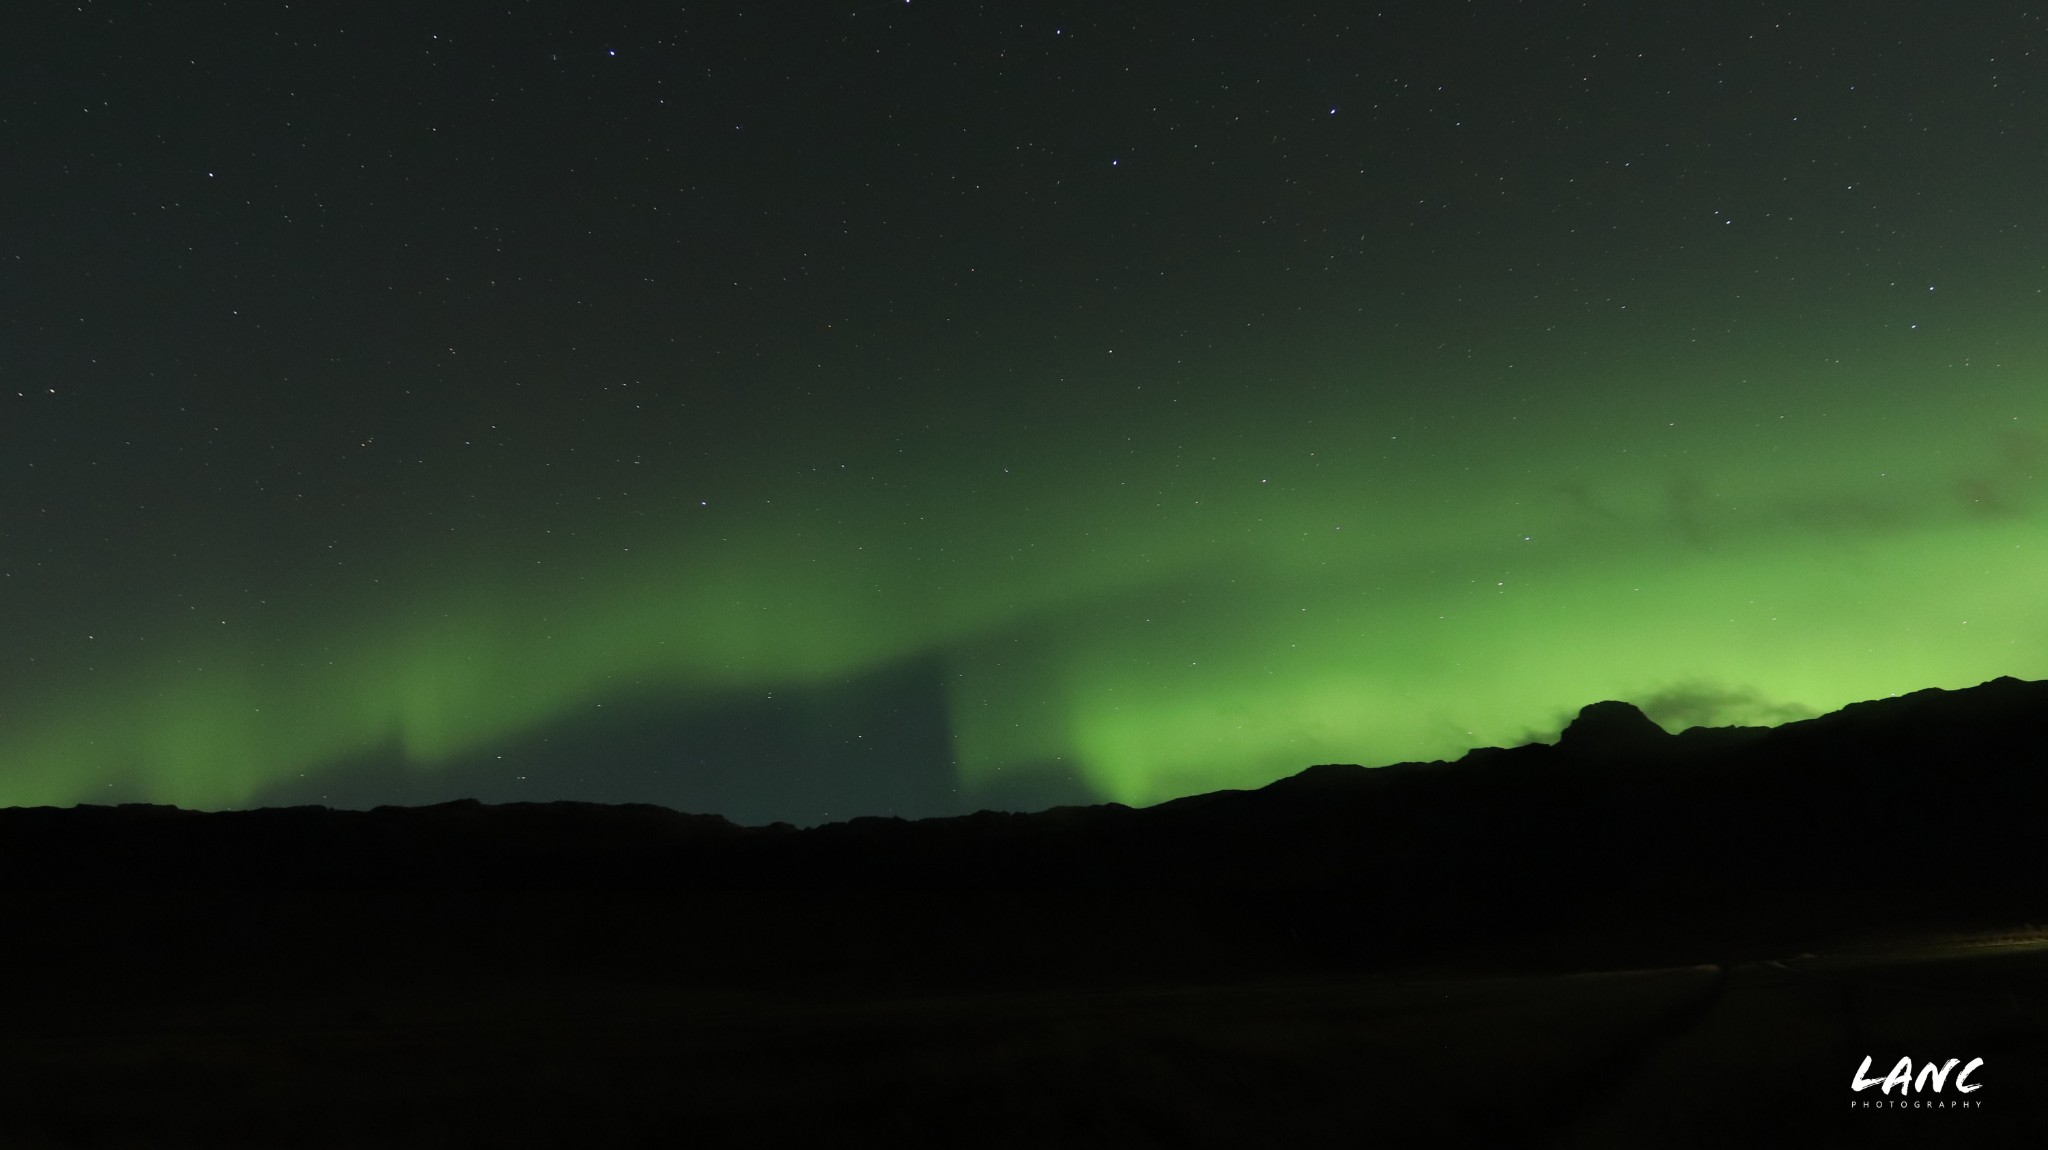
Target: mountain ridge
[[1614, 844]]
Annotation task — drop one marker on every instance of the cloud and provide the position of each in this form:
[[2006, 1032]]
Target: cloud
[[2003, 486], [1702, 703]]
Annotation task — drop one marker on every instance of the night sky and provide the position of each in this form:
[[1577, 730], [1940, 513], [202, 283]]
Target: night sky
[[806, 411]]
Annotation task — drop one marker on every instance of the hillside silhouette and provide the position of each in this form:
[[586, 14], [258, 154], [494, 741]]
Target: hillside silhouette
[[1620, 843], [1619, 847]]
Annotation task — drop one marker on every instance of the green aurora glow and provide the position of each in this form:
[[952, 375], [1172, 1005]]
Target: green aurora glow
[[1258, 595], [1174, 403]]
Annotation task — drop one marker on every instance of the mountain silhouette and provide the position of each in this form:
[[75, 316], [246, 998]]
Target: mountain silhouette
[[1620, 842], [1611, 729], [1621, 846]]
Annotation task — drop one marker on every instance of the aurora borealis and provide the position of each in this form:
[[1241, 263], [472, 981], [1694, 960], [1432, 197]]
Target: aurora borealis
[[872, 409]]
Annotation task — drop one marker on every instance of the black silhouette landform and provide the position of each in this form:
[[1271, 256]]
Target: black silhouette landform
[[1628, 934]]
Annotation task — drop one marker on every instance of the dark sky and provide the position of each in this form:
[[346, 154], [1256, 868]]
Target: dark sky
[[802, 411]]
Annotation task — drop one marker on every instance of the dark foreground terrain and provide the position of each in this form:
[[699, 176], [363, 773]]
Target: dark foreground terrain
[[1628, 939], [1688, 1056]]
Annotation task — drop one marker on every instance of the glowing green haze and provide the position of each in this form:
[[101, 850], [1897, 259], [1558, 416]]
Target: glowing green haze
[[1184, 601], [898, 408]]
